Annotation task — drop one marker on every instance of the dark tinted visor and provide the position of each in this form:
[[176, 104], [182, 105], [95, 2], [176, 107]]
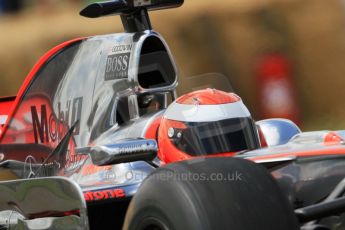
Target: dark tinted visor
[[204, 138]]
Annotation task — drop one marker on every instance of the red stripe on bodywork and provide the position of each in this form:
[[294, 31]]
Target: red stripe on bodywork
[[31, 76], [317, 152], [6, 104]]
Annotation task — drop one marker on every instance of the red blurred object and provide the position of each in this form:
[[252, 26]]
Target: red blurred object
[[276, 90], [333, 138]]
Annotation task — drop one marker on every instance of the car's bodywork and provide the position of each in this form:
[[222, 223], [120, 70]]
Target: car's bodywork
[[310, 165], [89, 103], [93, 83]]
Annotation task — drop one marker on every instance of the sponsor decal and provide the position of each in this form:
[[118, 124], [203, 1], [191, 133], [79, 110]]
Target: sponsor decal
[[117, 62], [104, 194], [52, 128], [73, 161], [93, 169], [29, 161]]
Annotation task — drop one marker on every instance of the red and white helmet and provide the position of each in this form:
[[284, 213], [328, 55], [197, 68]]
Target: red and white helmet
[[206, 122]]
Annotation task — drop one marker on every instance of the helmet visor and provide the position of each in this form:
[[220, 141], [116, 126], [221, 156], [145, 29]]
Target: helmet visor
[[204, 138]]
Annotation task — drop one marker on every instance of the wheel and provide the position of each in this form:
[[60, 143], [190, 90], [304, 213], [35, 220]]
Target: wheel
[[210, 193]]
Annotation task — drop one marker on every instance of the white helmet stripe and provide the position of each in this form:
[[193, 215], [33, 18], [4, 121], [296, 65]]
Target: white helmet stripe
[[206, 113]]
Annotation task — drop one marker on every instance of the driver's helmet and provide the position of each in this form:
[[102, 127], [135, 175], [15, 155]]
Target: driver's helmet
[[206, 122]]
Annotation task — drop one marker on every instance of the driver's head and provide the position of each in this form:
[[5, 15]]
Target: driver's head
[[206, 122]]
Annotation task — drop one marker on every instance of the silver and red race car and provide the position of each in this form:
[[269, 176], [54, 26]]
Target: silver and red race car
[[97, 138]]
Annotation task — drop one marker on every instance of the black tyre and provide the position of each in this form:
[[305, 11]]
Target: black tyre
[[214, 193]]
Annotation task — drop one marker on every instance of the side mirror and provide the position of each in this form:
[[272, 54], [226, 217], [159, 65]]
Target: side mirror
[[278, 131], [125, 151]]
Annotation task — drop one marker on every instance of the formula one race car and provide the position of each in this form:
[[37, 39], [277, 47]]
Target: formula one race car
[[97, 139]]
